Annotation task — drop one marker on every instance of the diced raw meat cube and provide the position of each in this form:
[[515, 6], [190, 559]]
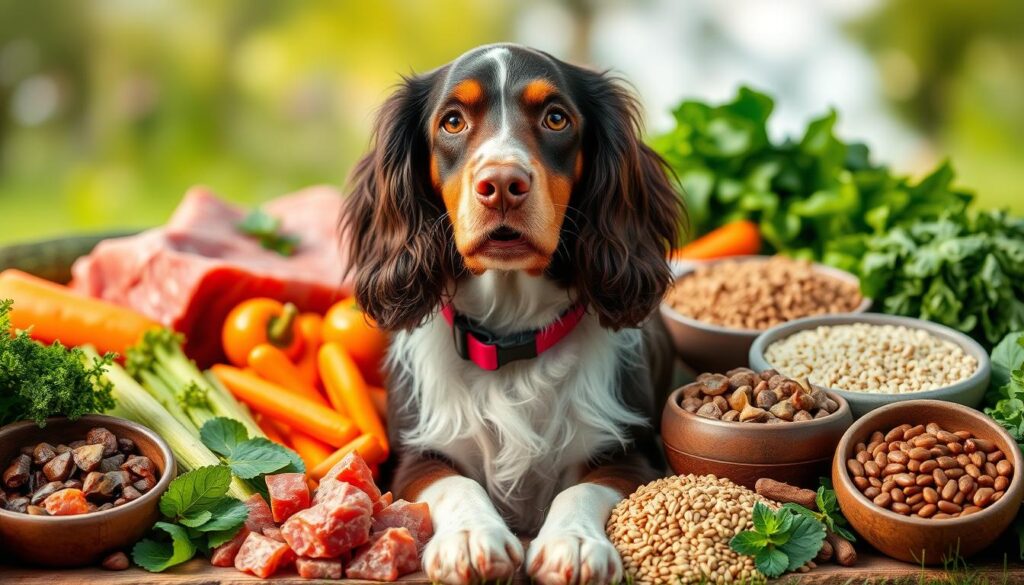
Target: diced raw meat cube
[[262, 556], [273, 532], [391, 555], [224, 555], [331, 527], [259, 519], [403, 514], [318, 568], [352, 469], [386, 499], [289, 493], [66, 502]]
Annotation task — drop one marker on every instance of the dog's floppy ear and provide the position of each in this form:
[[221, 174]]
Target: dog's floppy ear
[[399, 249], [626, 216]]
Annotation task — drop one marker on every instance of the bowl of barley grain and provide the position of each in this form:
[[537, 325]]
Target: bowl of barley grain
[[714, 310], [873, 360]]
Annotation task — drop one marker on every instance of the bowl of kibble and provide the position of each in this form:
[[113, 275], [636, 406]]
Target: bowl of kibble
[[714, 310], [76, 491], [925, 480], [873, 359], [746, 425]]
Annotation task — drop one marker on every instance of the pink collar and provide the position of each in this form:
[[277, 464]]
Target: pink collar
[[490, 351]]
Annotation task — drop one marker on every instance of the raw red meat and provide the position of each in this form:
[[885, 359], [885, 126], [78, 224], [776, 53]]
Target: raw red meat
[[391, 555], [289, 493], [259, 519], [188, 274], [318, 568], [352, 469], [262, 556], [331, 527], [386, 499], [273, 532], [403, 514]]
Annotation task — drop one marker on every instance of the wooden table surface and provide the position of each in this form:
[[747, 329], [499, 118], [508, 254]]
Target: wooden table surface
[[871, 568]]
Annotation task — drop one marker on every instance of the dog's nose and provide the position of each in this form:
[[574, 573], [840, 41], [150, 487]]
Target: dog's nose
[[502, 187]]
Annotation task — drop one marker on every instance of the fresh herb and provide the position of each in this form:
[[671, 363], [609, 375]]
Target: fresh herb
[[966, 271], [782, 540], [804, 192], [248, 458], [1005, 399], [199, 516], [267, 230], [38, 381], [828, 513]]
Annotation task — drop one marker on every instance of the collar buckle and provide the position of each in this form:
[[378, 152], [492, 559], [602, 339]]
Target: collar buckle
[[491, 352]]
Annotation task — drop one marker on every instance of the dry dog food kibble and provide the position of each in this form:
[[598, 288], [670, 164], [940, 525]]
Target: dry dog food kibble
[[677, 530], [758, 294], [871, 358], [929, 472], [743, 395]]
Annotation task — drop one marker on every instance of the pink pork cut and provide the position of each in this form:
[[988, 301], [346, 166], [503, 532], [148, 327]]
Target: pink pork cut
[[289, 493], [191, 272], [259, 520], [318, 568], [331, 527], [351, 469], [262, 556], [402, 514], [390, 555]]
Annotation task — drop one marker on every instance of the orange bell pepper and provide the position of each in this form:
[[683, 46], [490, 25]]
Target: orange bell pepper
[[257, 321], [348, 326]]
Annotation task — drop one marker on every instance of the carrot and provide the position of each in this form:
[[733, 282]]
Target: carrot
[[275, 402], [273, 365], [347, 390], [312, 451], [367, 446], [55, 312], [738, 238], [310, 327], [273, 430], [380, 400]]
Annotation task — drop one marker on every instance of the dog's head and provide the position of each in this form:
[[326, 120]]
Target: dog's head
[[509, 159]]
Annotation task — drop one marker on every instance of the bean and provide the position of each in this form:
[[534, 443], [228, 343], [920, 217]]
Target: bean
[[913, 466], [924, 480], [901, 508], [972, 470], [925, 442], [963, 435], [861, 483], [880, 459], [871, 469], [949, 490], [996, 497], [948, 507], [912, 490], [898, 457], [855, 467], [963, 459], [966, 484], [875, 482], [915, 499], [946, 462], [898, 495], [980, 445], [913, 432], [928, 466], [904, 480], [986, 481], [872, 492], [927, 511], [883, 499], [983, 496], [1001, 483], [955, 448], [977, 459], [939, 450], [940, 477], [946, 437], [941, 516], [863, 456], [894, 468], [888, 484], [959, 498], [877, 437], [896, 433], [969, 510], [955, 473], [991, 469], [996, 456], [930, 495], [919, 454]]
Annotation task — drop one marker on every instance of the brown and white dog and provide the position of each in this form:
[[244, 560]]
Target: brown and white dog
[[511, 228]]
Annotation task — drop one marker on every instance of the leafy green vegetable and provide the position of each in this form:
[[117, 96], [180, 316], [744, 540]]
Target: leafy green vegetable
[[222, 435], [782, 540], [828, 513], [803, 192], [1005, 399], [966, 271], [159, 555], [248, 458], [38, 381], [226, 514], [268, 230], [195, 491]]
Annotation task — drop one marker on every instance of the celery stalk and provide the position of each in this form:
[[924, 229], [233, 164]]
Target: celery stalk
[[136, 404]]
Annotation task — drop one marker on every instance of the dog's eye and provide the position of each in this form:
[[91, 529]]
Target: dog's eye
[[453, 123], [556, 120]]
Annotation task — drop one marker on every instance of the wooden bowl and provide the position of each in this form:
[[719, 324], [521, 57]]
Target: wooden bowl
[[706, 347], [797, 453], [920, 540], [85, 539]]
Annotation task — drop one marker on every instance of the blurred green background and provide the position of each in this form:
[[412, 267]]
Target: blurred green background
[[110, 109]]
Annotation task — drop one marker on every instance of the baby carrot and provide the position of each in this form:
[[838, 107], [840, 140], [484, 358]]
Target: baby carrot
[[273, 365], [368, 447], [312, 451], [739, 238], [297, 412], [55, 312], [380, 401], [310, 327], [347, 391]]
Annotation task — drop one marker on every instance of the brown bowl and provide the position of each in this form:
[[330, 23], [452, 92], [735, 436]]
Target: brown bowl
[[797, 453], [706, 347], [920, 540], [85, 539]]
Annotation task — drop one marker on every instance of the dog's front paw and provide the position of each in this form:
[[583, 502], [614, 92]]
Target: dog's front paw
[[472, 555], [573, 559]]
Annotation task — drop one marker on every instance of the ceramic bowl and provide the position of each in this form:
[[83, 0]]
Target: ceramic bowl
[[706, 347], [85, 539], [920, 540], [797, 453], [968, 392]]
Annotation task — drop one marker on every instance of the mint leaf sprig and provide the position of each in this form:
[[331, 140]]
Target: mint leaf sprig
[[828, 513], [782, 540]]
